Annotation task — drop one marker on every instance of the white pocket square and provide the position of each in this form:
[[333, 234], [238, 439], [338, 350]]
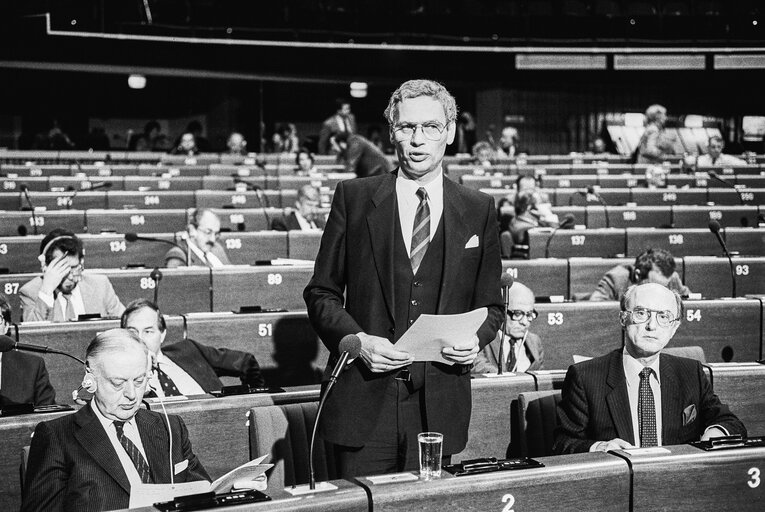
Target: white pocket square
[[181, 466], [473, 242]]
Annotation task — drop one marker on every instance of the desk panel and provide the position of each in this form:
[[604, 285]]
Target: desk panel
[[629, 216], [680, 242], [11, 184], [269, 287], [545, 277], [246, 219], [568, 181], [576, 243], [690, 479], [657, 197], [585, 273], [229, 183], [581, 328], [17, 254], [14, 223], [237, 199], [150, 200], [82, 183], [746, 241], [68, 200], [136, 221], [711, 276], [304, 245], [287, 348], [699, 216], [181, 290], [249, 248], [10, 285], [753, 196], [740, 385], [147, 183], [109, 250], [727, 330], [571, 482]]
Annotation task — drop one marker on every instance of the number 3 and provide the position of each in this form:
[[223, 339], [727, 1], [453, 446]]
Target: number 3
[[754, 482], [510, 500]]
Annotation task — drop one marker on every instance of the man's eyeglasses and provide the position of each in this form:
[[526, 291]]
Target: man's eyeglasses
[[642, 315], [76, 271], [516, 314], [208, 232], [432, 131]]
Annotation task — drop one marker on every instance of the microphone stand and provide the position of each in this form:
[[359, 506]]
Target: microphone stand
[[156, 276], [501, 356], [728, 184], [25, 190]]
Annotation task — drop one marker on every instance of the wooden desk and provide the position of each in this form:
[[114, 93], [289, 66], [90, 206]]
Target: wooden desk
[[680, 242], [746, 241], [304, 245], [154, 199], [17, 254], [246, 219], [546, 277], [109, 250], [136, 221], [710, 276], [629, 216], [270, 287], [586, 273], [690, 479], [684, 216], [592, 482], [576, 243], [14, 223], [741, 385], [181, 290], [60, 200], [249, 248]]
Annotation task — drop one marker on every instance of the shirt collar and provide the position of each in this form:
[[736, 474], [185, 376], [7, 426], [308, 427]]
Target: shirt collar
[[632, 366], [434, 189], [106, 422]]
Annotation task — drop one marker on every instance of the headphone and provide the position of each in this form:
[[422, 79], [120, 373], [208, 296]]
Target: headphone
[[50, 243]]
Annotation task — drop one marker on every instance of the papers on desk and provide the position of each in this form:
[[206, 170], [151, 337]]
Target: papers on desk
[[146, 495], [431, 333]]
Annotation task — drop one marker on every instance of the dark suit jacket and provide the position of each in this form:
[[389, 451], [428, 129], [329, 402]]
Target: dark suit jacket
[[486, 362], [352, 290], [98, 296], [330, 127], [289, 222], [615, 282], [364, 158], [205, 364], [25, 380], [595, 404], [73, 466]]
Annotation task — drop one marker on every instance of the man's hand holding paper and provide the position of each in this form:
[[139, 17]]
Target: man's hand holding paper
[[380, 355], [464, 353], [442, 338]]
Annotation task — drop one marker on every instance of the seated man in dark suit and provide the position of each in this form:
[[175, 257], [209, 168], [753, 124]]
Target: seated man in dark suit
[[23, 377], [90, 460], [651, 266], [523, 350], [186, 367], [305, 216], [637, 396], [64, 291], [200, 243]]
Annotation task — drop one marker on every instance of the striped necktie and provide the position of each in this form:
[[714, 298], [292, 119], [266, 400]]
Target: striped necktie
[[646, 410], [134, 453], [420, 231]]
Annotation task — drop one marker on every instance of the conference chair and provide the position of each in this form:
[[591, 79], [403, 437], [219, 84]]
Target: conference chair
[[284, 433], [690, 351], [534, 419]]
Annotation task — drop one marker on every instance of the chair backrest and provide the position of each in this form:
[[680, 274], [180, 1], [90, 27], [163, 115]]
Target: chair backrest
[[534, 420], [284, 432], [691, 352]]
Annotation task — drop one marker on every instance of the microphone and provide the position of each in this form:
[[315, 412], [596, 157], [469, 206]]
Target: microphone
[[506, 281], [349, 348], [134, 237], [568, 222], [262, 198], [727, 183], [25, 189], [714, 227], [592, 191], [95, 186], [156, 276], [7, 343]]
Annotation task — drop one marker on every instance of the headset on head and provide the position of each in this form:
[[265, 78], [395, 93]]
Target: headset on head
[[89, 380], [50, 243]]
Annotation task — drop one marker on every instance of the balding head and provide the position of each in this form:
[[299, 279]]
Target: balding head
[[520, 298]]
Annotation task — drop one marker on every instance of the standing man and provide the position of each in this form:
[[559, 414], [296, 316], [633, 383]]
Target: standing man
[[359, 155], [397, 246], [200, 243], [341, 121], [90, 460], [637, 396]]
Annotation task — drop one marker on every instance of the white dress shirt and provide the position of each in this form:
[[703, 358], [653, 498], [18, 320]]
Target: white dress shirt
[[209, 257], [723, 159], [408, 200], [305, 224], [60, 302], [183, 381], [130, 429]]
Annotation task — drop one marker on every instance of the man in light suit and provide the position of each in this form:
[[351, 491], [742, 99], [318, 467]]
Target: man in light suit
[[190, 368], [397, 246], [23, 377], [201, 243], [523, 350], [638, 396], [90, 460], [306, 215], [64, 292]]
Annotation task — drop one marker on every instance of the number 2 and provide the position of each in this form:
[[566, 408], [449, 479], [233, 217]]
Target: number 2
[[510, 500]]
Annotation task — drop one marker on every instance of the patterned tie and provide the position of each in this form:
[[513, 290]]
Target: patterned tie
[[135, 454], [511, 358], [69, 313], [646, 410], [420, 231], [168, 386]]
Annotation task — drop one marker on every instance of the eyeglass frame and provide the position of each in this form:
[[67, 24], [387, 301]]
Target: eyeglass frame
[[76, 271], [398, 129], [530, 315], [627, 317]]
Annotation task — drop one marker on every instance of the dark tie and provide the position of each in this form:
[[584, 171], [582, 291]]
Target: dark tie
[[168, 386], [511, 359], [69, 310], [135, 454], [420, 231], [646, 410]]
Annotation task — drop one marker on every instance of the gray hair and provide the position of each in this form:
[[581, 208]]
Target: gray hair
[[417, 88], [112, 340], [652, 112], [627, 297]]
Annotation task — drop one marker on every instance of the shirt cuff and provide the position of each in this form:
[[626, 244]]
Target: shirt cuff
[[47, 298], [594, 446], [725, 430]]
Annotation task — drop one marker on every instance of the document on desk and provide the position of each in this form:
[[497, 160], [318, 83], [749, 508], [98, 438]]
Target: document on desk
[[431, 333]]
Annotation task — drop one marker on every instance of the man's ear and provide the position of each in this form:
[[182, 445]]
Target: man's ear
[[162, 337], [451, 132]]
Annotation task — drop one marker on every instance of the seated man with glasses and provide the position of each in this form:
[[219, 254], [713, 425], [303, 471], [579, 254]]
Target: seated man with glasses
[[64, 291], [637, 396], [200, 243], [523, 350]]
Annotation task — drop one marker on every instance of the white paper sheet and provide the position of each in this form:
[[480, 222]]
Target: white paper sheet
[[431, 333]]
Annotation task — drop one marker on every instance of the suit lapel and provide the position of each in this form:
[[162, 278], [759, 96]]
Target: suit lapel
[[617, 398], [382, 221], [671, 401], [155, 444], [93, 439], [455, 237]]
